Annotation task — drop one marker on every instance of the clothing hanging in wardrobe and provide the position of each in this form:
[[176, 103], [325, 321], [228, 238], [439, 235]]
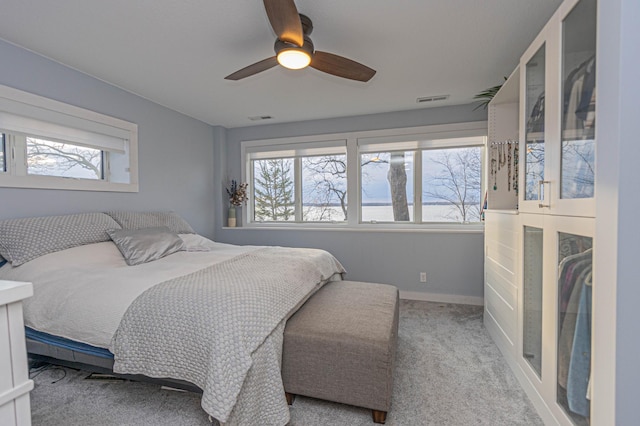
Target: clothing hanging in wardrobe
[[574, 321]]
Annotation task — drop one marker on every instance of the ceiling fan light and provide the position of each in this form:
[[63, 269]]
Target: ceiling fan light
[[294, 59]]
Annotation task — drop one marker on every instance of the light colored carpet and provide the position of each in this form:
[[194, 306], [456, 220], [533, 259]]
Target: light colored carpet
[[448, 372]]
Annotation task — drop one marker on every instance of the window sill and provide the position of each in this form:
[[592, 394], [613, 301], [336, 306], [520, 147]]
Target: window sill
[[52, 182], [475, 228]]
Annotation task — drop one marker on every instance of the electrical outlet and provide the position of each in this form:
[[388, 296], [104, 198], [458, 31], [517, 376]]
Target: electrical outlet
[[423, 277]]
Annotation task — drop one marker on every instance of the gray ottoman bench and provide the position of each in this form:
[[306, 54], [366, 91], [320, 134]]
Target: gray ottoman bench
[[340, 346]]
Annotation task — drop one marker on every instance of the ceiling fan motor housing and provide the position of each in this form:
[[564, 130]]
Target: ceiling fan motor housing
[[307, 25], [281, 45]]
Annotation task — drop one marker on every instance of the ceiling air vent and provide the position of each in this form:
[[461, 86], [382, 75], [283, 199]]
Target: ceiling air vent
[[432, 98], [260, 117]]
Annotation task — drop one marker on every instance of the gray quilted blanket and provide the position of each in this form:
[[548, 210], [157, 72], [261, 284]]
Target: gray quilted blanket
[[221, 328]]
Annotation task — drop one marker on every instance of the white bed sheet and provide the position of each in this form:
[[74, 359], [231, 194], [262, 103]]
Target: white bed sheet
[[82, 293]]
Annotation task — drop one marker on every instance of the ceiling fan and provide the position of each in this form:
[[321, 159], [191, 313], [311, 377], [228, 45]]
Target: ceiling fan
[[294, 49]]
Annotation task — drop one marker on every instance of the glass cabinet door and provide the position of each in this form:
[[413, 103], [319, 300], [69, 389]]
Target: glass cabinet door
[[578, 102], [534, 130], [532, 298], [574, 326]]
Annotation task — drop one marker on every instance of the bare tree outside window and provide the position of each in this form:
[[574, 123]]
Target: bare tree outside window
[[324, 182], [452, 177], [50, 158], [534, 169], [578, 168]]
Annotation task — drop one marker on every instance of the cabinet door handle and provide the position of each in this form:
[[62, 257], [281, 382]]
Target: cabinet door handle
[[540, 183]]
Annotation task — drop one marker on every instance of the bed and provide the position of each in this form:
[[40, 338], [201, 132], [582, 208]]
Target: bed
[[143, 294]]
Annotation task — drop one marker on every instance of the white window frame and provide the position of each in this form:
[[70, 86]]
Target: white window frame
[[23, 113], [288, 149], [413, 138], [417, 144]]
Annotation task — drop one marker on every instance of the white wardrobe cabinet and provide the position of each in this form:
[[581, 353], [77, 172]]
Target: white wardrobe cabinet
[[539, 255], [557, 114], [555, 314], [538, 307]]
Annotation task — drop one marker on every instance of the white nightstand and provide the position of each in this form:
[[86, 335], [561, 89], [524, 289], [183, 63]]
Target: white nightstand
[[14, 369]]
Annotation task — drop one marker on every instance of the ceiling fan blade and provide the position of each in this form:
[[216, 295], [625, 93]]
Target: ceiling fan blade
[[285, 20], [252, 69], [341, 67]]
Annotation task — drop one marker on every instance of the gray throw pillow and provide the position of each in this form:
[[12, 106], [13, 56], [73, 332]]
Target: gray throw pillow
[[139, 220], [145, 245], [22, 240]]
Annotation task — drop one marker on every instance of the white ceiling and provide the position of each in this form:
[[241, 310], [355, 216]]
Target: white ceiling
[[177, 52]]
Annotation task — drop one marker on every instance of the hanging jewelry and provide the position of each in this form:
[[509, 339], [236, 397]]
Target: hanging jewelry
[[508, 166], [516, 160], [494, 174], [492, 165]]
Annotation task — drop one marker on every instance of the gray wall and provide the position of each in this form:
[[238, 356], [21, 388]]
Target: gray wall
[[175, 151], [453, 261], [616, 292]]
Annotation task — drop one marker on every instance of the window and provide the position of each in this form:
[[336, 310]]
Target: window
[[273, 186], [299, 182], [387, 186], [394, 176], [324, 188], [48, 144], [423, 180], [452, 184], [49, 158], [3, 156]]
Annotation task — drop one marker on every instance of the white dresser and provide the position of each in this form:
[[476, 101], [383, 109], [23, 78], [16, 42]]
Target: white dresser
[[14, 370]]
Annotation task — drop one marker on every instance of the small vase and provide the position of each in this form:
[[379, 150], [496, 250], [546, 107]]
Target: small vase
[[231, 218]]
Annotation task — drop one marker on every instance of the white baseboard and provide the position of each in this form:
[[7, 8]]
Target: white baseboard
[[441, 298]]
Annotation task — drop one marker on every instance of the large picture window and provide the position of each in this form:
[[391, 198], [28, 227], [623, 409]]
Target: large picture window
[[429, 178], [299, 182]]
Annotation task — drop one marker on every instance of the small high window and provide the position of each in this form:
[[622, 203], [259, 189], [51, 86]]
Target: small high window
[[49, 144], [49, 158]]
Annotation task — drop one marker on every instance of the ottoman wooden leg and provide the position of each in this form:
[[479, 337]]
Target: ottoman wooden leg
[[379, 416], [290, 398]]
